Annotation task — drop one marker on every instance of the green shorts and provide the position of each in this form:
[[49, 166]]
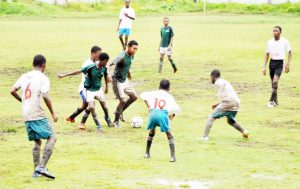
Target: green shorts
[[159, 118], [39, 129], [218, 113]]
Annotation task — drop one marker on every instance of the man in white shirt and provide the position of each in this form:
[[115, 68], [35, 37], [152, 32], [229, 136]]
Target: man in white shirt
[[35, 86], [126, 16], [276, 51], [228, 106], [162, 108]]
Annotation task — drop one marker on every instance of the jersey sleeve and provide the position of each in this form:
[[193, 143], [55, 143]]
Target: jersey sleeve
[[85, 69], [119, 58], [174, 107], [288, 47], [145, 96], [121, 14], [45, 85], [171, 32], [19, 82], [268, 47]]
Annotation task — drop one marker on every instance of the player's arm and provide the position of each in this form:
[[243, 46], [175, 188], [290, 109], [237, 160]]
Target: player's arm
[[62, 75], [48, 103], [214, 106], [172, 39], [107, 80], [287, 66], [14, 93], [147, 104], [129, 75], [267, 56]]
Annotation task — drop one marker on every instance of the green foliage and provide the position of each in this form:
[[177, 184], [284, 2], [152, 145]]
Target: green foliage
[[33, 8]]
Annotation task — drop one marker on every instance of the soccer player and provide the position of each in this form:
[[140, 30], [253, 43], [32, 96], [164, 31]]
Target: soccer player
[[95, 52], [162, 109], [166, 44], [35, 85], [276, 50], [125, 23], [121, 85], [94, 74], [228, 106]]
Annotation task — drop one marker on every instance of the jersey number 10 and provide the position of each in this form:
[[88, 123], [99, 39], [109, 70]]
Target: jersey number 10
[[159, 103]]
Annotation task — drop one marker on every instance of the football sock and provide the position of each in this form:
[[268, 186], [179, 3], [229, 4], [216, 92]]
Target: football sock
[[173, 64], [208, 126], [160, 66], [36, 155], [117, 116], [149, 143], [105, 110], [172, 146], [274, 92], [85, 116], [48, 150], [76, 113], [236, 126]]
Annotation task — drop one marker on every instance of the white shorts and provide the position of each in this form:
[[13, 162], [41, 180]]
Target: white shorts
[[122, 89], [165, 51], [92, 95], [82, 94]]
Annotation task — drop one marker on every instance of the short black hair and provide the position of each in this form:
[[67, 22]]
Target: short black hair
[[132, 42], [38, 60], [280, 29], [95, 49], [164, 84], [215, 73], [104, 56]]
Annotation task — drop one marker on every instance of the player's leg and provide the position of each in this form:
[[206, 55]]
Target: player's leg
[[132, 98], [161, 60], [172, 145], [118, 112], [118, 89], [172, 63], [274, 97], [208, 126], [121, 33], [36, 156], [84, 105], [84, 119], [92, 109], [101, 98], [231, 121], [149, 142]]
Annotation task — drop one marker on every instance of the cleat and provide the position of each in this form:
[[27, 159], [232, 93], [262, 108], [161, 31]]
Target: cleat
[[122, 118], [173, 159], [147, 156], [117, 125], [175, 70], [81, 126], [44, 172], [70, 120], [108, 121], [36, 175], [271, 104], [245, 134], [205, 139], [100, 130]]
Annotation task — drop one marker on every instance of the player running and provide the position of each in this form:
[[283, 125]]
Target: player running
[[276, 50], [93, 86], [35, 86], [95, 52], [121, 85], [228, 106], [162, 109], [166, 45], [125, 23]]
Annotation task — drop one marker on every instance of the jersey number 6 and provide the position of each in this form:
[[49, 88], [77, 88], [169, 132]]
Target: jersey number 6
[[159, 103], [27, 92]]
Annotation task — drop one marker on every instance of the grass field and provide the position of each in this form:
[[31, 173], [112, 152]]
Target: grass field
[[270, 158]]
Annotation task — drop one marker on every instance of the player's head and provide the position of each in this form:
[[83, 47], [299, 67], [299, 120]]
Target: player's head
[[166, 21], [277, 31], [127, 3], [95, 52], [164, 85], [214, 75], [132, 47], [39, 61], [103, 59]]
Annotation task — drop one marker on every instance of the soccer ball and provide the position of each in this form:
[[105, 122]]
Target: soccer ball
[[137, 122]]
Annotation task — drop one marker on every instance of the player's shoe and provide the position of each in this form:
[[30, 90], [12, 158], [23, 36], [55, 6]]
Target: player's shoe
[[70, 120], [81, 126], [246, 134], [108, 121], [147, 156], [205, 139], [36, 175], [100, 130], [44, 171], [271, 104], [117, 125], [175, 69], [173, 159]]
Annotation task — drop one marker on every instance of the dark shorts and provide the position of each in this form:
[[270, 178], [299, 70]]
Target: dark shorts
[[276, 67]]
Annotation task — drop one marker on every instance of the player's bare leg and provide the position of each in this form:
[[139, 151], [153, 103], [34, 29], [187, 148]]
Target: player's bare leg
[[95, 118], [106, 115], [149, 142], [36, 151], [161, 62], [132, 99], [48, 150], [119, 112], [238, 127], [172, 146], [274, 83], [172, 63], [122, 42], [72, 117], [126, 42]]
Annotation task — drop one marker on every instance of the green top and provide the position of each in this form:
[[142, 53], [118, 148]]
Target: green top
[[123, 63], [93, 77], [166, 36]]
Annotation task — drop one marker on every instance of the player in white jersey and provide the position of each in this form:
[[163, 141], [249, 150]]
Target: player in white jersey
[[162, 109], [276, 51], [126, 16], [35, 86], [95, 52], [228, 106]]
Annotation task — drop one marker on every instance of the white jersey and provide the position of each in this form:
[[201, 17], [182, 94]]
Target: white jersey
[[278, 49], [85, 64], [126, 22], [226, 91], [161, 99], [33, 85]]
